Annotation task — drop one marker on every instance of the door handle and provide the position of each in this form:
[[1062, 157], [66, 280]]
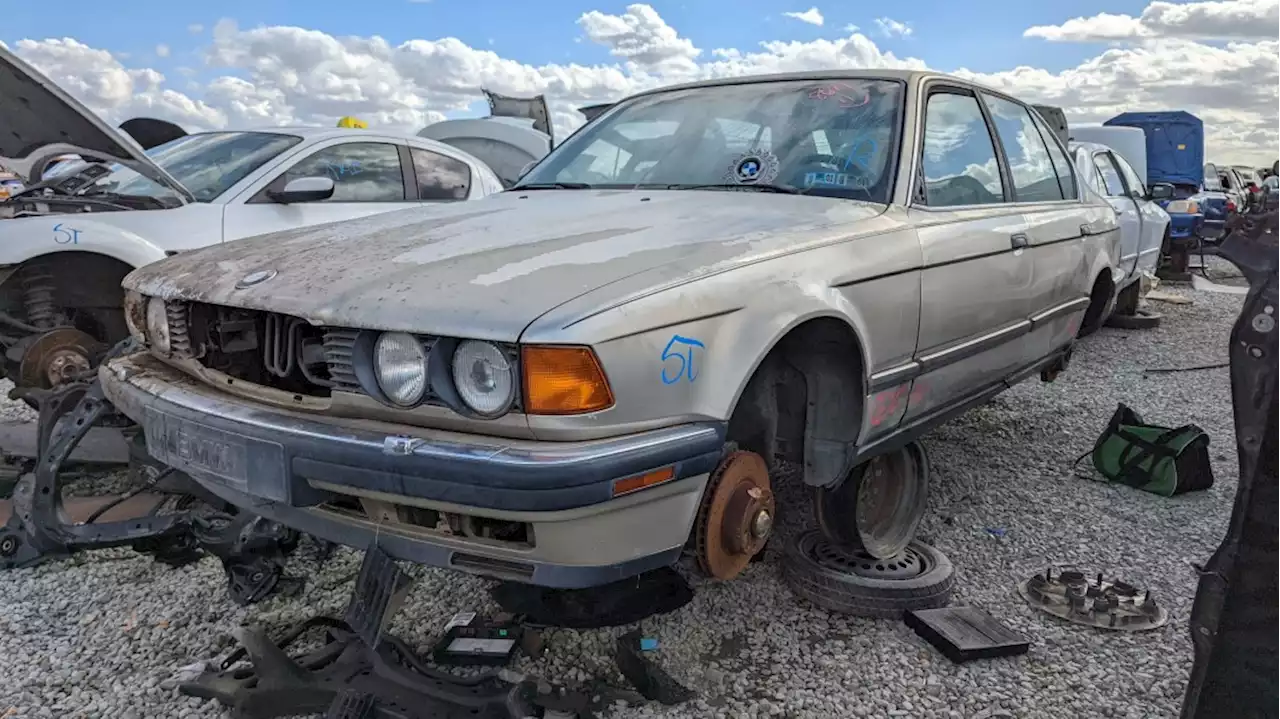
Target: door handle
[[1019, 241]]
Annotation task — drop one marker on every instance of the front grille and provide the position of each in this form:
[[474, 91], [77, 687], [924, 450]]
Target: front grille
[[338, 347], [179, 331], [265, 348]]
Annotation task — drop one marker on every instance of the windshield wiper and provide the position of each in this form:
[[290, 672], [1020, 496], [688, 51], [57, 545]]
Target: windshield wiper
[[764, 187], [554, 186]]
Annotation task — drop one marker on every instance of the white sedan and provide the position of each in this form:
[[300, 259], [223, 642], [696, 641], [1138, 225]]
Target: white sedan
[[65, 244], [1143, 223]]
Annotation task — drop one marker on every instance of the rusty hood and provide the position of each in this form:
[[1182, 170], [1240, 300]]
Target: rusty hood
[[487, 269]]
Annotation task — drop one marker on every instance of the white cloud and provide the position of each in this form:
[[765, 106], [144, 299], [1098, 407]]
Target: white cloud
[[162, 50], [893, 28], [195, 28], [812, 16], [1210, 20], [850, 28], [292, 75]]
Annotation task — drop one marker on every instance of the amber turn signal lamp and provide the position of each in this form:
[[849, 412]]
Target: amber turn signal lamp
[[563, 380], [627, 485]]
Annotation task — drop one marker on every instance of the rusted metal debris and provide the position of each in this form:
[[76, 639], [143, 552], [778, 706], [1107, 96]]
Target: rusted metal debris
[[1093, 601]]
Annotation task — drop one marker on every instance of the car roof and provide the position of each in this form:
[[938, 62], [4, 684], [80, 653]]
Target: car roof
[[315, 134], [1090, 146], [907, 76]]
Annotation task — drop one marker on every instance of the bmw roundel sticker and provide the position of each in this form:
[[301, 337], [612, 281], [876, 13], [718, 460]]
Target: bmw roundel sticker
[[753, 166]]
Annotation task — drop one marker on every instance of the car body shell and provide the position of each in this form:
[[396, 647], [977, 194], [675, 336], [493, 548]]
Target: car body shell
[[682, 296], [1143, 223], [138, 237]]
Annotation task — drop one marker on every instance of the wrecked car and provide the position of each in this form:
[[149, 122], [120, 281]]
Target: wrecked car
[[65, 244], [605, 366], [1144, 225]]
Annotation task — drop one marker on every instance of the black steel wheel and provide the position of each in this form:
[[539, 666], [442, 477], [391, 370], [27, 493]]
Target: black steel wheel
[[879, 506], [850, 581]]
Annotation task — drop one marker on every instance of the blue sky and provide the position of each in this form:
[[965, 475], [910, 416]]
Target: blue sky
[[984, 36]]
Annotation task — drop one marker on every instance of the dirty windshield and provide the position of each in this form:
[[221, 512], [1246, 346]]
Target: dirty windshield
[[207, 164], [824, 137]]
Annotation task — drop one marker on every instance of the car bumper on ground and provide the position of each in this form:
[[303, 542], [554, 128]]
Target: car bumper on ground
[[546, 513]]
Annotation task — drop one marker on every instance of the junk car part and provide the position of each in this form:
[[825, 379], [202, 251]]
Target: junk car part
[[1234, 618], [360, 672], [1092, 601], [252, 549], [736, 516]]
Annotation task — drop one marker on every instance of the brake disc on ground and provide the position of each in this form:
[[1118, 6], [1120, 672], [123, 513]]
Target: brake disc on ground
[[1092, 601], [736, 515]]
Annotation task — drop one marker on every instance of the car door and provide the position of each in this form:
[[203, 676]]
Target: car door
[[369, 177], [1044, 188], [1128, 213], [1155, 221], [976, 278]]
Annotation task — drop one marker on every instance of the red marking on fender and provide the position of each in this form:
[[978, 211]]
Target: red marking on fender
[[887, 403]]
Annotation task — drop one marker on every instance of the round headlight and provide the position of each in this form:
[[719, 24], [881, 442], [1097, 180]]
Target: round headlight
[[484, 377], [158, 325], [400, 364]]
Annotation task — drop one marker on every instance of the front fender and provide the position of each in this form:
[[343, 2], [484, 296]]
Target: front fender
[[24, 238]]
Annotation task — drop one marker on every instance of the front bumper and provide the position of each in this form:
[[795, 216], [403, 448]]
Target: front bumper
[[291, 467]]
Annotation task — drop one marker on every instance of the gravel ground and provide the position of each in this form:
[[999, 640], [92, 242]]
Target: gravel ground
[[102, 634]]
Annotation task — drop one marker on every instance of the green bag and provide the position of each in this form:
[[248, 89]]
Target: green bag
[[1159, 460]]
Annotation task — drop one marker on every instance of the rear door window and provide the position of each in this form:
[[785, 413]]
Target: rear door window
[[959, 161], [1035, 179], [440, 177]]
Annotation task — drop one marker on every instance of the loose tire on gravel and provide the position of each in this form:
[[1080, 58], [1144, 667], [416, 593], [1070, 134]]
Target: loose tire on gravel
[[812, 567]]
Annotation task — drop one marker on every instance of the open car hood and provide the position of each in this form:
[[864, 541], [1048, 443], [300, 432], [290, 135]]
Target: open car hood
[[42, 121]]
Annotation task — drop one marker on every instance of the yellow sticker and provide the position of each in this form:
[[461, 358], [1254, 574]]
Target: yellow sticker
[[353, 123], [1182, 147]]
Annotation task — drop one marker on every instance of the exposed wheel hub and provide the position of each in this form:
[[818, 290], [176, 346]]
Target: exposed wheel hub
[[736, 517], [56, 357], [906, 564]]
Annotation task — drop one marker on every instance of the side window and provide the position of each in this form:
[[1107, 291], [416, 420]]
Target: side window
[[1034, 177], [1066, 180], [361, 171], [959, 162], [440, 177], [1137, 187], [1110, 174]]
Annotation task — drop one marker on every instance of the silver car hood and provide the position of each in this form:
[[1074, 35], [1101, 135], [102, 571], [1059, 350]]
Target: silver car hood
[[41, 120], [488, 269]]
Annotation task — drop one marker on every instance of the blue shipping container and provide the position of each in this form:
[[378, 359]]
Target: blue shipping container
[[1175, 145]]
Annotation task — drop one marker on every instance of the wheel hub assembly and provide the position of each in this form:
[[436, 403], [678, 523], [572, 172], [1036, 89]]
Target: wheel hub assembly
[[57, 356], [737, 515]]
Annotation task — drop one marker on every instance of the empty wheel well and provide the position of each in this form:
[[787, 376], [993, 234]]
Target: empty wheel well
[[1099, 296], [84, 288], [804, 402]]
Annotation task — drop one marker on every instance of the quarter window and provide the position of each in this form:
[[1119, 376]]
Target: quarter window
[[361, 171], [1110, 174], [440, 177], [959, 163], [1035, 179], [1066, 180]]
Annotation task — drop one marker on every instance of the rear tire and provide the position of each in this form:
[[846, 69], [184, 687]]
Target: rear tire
[[1095, 315], [845, 592]]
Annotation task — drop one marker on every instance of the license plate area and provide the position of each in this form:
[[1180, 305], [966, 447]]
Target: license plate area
[[249, 465]]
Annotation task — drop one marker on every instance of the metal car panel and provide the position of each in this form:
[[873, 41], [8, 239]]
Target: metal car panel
[[975, 295]]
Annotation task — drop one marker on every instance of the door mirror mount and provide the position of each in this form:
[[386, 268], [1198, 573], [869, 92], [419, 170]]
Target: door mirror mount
[[303, 189], [1160, 191]]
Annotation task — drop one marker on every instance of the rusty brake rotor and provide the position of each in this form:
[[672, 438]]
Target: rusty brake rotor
[[737, 515], [57, 356]]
